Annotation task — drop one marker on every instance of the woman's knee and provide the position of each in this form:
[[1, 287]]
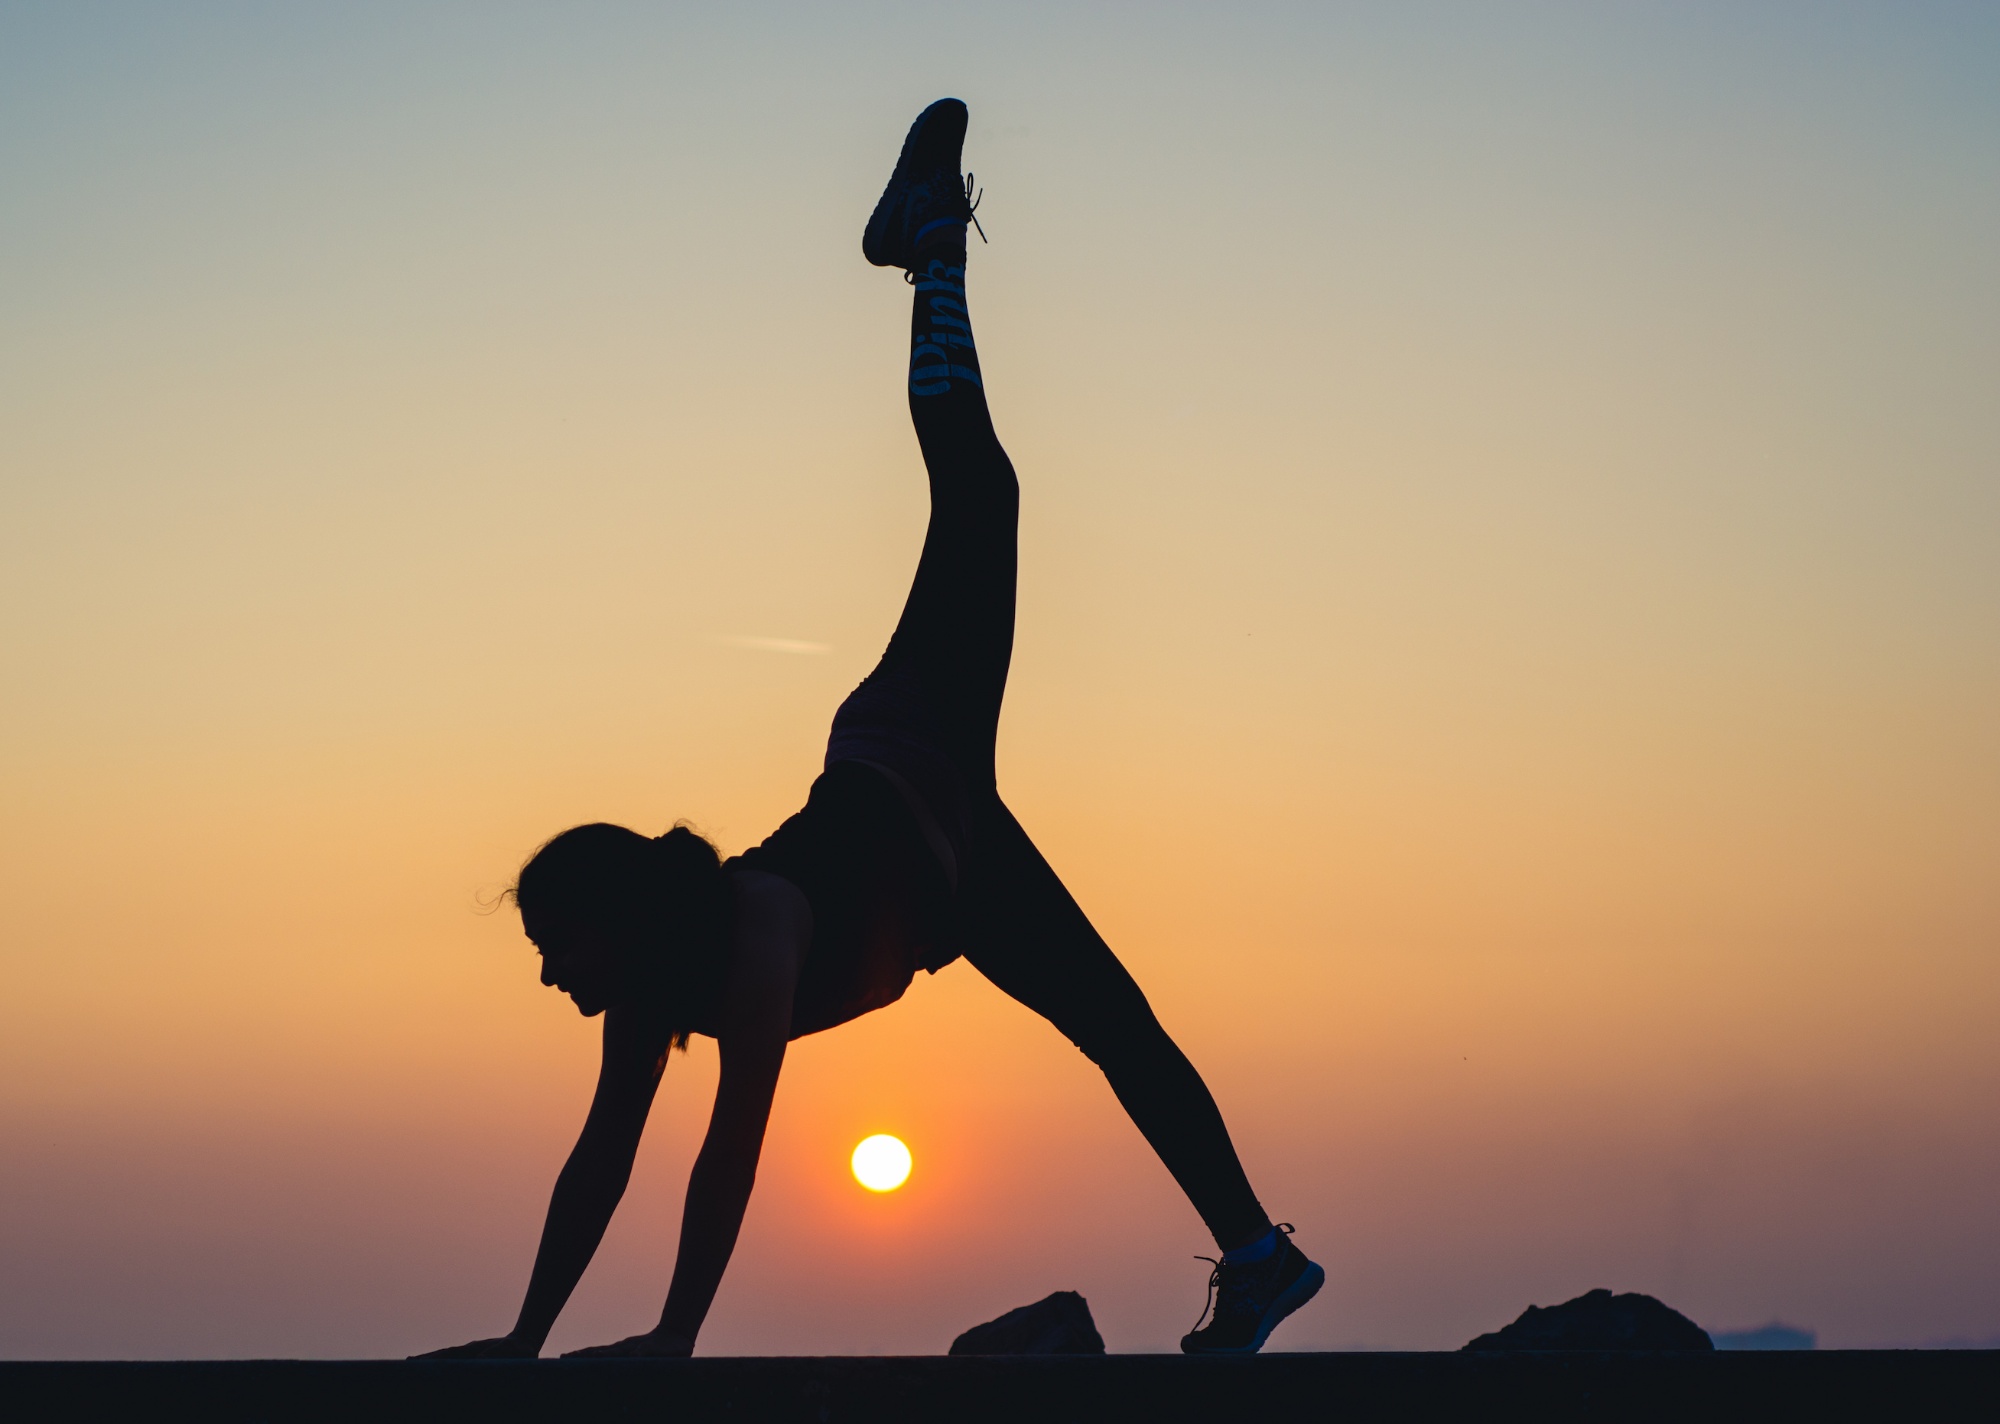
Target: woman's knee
[[1117, 1027]]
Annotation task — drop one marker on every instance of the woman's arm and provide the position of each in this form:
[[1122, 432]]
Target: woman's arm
[[589, 1187], [773, 933]]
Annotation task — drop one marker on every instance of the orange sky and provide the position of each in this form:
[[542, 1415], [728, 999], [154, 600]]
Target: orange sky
[[1507, 651]]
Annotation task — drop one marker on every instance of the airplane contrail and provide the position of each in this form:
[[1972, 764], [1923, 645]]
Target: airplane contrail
[[773, 645]]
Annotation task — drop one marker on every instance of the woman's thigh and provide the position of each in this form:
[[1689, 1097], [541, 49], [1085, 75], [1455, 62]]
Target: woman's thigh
[[1024, 931], [956, 633]]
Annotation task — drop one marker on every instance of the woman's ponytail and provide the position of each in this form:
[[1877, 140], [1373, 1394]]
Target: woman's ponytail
[[691, 887]]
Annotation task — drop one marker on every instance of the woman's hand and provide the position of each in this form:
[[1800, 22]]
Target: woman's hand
[[654, 1344], [501, 1347]]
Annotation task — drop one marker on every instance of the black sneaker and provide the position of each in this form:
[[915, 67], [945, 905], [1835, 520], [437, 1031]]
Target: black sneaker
[[1246, 1301], [925, 199]]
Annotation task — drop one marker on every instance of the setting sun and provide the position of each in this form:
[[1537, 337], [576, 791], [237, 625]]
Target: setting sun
[[881, 1163]]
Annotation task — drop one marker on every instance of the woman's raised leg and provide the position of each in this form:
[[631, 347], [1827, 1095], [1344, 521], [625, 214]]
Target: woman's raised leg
[[957, 627], [935, 695]]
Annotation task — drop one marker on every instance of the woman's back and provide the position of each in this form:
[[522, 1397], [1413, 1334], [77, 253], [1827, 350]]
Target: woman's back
[[881, 908]]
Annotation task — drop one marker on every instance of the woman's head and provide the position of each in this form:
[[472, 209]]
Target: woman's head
[[620, 917]]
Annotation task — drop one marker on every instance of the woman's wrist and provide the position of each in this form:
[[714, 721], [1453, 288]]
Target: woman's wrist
[[675, 1324], [529, 1338], [678, 1342]]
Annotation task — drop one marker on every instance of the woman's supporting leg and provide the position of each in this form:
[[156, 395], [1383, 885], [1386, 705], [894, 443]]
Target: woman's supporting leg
[[1025, 932], [956, 635]]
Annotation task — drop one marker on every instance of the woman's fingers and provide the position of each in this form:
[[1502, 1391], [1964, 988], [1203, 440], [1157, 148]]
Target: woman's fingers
[[651, 1345], [501, 1347], [633, 1345]]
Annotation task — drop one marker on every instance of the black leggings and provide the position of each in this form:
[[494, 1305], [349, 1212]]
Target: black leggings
[[1020, 927]]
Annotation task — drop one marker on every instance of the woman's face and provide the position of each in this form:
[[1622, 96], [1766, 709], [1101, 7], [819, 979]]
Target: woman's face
[[581, 962]]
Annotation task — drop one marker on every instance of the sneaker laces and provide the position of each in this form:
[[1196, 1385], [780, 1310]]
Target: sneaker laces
[[972, 202], [1224, 1292], [972, 216], [1214, 1293]]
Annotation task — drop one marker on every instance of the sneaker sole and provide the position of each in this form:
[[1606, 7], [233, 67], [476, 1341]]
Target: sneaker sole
[[1295, 1295], [876, 254]]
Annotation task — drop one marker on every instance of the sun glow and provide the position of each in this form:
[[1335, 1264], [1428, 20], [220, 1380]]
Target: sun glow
[[881, 1163]]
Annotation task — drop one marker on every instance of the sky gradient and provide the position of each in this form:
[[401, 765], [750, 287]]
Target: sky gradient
[[1509, 648]]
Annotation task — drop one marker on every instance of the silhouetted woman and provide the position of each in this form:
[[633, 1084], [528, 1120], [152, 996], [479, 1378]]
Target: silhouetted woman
[[904, 858]]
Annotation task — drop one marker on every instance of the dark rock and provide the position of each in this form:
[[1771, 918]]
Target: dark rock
[[1058, 1324], [1599, 1321]]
